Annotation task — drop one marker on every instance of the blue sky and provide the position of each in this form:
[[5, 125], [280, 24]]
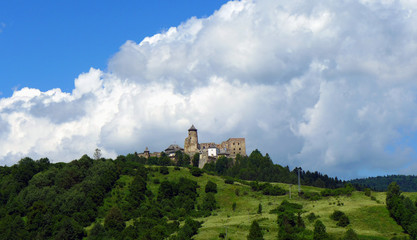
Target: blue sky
[[47, 44], [326, 85]]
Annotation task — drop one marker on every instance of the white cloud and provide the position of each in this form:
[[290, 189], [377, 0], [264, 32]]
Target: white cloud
[[327, 85]]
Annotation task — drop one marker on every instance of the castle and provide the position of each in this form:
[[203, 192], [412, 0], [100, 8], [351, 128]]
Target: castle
[[208, 151], [211, 151]]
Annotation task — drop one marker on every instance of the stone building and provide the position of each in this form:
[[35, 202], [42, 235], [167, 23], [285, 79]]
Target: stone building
[[172, 150], [211, 151], [208, 151], [147, 154]]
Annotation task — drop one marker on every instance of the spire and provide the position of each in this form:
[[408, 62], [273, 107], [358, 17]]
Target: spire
[[192, 128]]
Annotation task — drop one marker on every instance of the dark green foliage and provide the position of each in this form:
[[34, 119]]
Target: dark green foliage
[[405, 183], [320, 231], [114, 221], [255, 232], [350, 235], [312, 196], [260, 208], [343, 221], [341, 218], [13, 227], [196, 160], [347, 190], [367, 192], [234, 206], [312, 217], [268, 189], [188, 230], [210, 187], [337, 215], [229, 181], [290, 223], [68, 229], [402, 209], [209, 203], [97, 232], [164, 170], [182, 159], [196, 172]]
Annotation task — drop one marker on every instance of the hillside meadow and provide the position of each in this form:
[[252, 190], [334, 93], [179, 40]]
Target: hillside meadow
[[368, 217]]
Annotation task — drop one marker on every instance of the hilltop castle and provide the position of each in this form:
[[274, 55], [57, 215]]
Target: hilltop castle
[[208, 151], [211, 151]]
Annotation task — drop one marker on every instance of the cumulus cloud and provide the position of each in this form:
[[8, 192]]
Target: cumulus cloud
[[327, 85]]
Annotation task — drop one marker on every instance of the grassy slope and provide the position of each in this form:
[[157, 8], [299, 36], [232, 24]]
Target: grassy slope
[[367, 217]]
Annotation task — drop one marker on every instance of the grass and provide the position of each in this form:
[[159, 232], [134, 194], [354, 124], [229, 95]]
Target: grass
[[369, 218]]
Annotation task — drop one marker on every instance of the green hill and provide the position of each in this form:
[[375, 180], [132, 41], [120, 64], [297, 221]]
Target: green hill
[[124, 199], [369, 218]]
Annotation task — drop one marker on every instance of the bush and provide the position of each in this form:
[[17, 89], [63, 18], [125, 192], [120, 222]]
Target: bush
[[234, 206], [341, 218], [156, 181], [350, 235], [273, 190], [337, 215], [343, 222], [368, 192], [164, 170], [211, 187], [319, 231], [311, 217], [196, 172], [176, 168], [229, 181]]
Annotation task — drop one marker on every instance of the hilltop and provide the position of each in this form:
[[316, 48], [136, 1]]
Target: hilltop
[[133, 198]]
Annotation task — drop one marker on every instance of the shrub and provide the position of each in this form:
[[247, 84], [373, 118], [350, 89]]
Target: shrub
[[368, 192], [177, 168], [343, 222], [234, 206], [211, 187], [156, 181], [341, 218], [311, 217], [337, 215], [229, 181], [196, 172], [319, 231], [164, 170], [350, 235]]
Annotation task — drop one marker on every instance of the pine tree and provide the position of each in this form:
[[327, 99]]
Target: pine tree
[[255, 232]]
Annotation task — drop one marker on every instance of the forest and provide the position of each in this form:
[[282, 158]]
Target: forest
[[137, 198]]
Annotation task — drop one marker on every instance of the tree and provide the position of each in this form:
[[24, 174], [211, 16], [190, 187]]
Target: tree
[[255, 232], [114, 220], [319, 231], [97, 154], [260, 208], [196, 160], [211, 187], [350, 235]]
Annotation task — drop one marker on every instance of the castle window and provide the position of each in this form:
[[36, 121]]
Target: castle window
[[240, 149], [233, 143], [237, 143]]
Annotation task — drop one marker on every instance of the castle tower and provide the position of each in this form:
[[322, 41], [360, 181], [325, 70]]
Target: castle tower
[[191, 142]]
